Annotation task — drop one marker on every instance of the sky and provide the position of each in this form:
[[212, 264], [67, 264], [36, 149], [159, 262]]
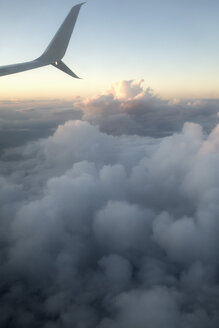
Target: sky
[[171, 44], [109, 186]]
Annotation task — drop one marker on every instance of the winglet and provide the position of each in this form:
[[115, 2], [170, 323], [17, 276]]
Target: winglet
[[57, 47], [60, 65]]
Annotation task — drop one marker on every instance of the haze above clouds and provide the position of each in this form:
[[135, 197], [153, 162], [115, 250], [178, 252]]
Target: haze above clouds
[[127, 107], [111, 219]]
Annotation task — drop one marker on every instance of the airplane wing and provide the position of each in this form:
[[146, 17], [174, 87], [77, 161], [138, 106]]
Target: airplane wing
[[60, 65], [54, 52], [57, 47], [16, 68]]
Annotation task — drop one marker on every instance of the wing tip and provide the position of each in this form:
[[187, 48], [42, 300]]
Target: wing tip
[[80, 4]]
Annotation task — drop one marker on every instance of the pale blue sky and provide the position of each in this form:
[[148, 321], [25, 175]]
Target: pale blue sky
[[172, 44]]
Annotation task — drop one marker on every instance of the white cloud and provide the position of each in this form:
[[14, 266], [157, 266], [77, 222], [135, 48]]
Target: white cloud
[[107, 231]]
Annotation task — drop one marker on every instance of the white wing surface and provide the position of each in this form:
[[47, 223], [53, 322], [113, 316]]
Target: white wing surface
[[55, 50]]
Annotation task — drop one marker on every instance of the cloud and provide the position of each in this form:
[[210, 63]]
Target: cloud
[[128, 108], [122, 227], [110, 231], [153, 308], [22, 121], [127, 90]]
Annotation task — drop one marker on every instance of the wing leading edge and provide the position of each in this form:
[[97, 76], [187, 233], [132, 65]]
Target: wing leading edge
[[17, 68], [55, 50]]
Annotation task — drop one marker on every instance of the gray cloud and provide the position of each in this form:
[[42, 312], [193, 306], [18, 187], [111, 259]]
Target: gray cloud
[[22, 121], [107, 231], [128, 108]]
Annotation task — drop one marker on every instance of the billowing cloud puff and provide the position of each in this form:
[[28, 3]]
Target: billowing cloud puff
[[153, 308], [127, 90], [126, 108], [108, 231], [130, 108]]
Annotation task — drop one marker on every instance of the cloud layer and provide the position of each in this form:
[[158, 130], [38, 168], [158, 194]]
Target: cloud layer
[[111, 231], [126, 108], [105, 228]]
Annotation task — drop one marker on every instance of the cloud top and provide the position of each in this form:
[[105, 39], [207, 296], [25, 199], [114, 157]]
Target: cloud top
[[110, 231]]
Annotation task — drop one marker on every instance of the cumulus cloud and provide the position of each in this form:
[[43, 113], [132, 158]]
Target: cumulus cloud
[[152, 308], [127, 107], [130, 108], [110, 231], [113, 228]]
